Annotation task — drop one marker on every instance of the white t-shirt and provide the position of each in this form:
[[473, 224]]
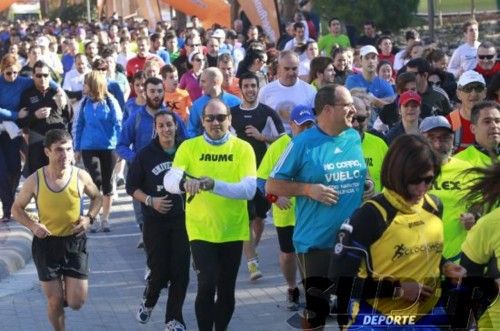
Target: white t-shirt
[[464, 57], [284, 98]]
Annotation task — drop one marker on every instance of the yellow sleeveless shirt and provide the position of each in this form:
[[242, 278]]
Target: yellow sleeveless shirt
[[58, 211]]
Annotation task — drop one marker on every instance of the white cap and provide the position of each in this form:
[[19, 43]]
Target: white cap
[[219, 33], [433, 122], [365, 50], [470, 76], [43, 41]]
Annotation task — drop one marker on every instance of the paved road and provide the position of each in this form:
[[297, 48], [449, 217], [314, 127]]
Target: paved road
[[116, 286]]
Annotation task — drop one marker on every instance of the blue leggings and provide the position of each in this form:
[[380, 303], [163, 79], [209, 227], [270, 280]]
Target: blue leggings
[[10, 170]]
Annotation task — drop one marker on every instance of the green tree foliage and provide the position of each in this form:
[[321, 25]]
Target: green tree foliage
[[387, 14]]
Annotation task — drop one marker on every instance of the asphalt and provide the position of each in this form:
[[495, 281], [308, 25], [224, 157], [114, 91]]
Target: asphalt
[[15, 248]]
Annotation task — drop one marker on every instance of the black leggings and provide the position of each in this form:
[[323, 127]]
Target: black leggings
[[100, 165], [217, 266], [168, 257]]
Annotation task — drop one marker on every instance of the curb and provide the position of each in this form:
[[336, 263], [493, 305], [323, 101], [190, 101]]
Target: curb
[[15, 248]]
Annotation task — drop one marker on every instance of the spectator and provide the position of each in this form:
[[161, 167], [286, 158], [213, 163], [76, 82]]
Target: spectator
[[464, 58]]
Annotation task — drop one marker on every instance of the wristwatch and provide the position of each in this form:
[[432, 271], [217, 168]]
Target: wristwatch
[[91, 218]]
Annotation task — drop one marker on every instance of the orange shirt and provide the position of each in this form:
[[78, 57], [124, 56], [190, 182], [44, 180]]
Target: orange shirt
[[179, 102], [234, 88]]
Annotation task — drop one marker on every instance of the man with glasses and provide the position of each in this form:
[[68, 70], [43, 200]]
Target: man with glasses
[[487, 64], [217, 171], [373, 143], [47, 109], [324, 168], [471, 90], [450, 186], [435, 100], [211, 83]]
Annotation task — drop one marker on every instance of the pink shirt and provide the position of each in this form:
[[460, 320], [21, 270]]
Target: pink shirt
[[191, 83]]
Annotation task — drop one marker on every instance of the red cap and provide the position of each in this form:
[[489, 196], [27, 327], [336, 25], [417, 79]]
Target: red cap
[[407, 96]]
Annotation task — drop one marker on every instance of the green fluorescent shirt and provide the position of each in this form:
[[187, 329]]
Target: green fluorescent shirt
[[374, 150]]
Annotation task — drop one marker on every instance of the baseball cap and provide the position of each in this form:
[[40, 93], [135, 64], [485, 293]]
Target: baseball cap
[[219, 33], [470, 76], [43, 41], [407, 96], [365, 50], [433, 122], [301, 114]]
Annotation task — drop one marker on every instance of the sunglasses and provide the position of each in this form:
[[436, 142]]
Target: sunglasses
[[470, 88], [427, 180], [219, 117], [195, 45], [486, 57], [41, 75], [10, 73], [360, 119], [198, 60]]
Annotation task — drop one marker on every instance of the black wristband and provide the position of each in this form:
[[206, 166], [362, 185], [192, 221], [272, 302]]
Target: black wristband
[[91, 218]]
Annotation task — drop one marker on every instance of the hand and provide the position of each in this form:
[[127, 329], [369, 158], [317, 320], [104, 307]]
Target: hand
[[81, 226], [322, 193], [369, 189], [206, 183], [192, 186], [252, 131], [161, 204], [468, 220], [283, 203], [413, 291], [454, 271], [23, 112], [42, 113], [40, 230]]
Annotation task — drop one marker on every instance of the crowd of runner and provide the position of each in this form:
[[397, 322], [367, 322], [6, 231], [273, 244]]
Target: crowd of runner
[[359, 150]]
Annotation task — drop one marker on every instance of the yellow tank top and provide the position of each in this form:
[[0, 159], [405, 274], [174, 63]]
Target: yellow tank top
[[58, 211]]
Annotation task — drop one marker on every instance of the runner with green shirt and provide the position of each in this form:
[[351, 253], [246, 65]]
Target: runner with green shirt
[[485, 125], [216, 210], [450, 186], [283, 208]]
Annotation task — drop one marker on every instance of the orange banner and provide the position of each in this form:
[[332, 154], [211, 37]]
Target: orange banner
[[150, 10], [263, 13], [208, 11], [5, 4]]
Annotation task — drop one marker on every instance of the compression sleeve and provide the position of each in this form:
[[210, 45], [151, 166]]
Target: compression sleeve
[[244, 190]]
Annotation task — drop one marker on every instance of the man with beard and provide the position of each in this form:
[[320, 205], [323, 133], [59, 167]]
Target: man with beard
[[258, 125]]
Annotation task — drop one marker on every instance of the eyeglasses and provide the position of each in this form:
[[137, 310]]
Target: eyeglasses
[[359, 118], [195, 45], [198, 59], [10, 73], [470, 88], [345, 105], [427, 180], [219, 117], [42, 75], [434, 83], [486, 57]]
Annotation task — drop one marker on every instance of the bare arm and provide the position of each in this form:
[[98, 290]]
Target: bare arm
[[318, 192], [91, 191], [22, 200]]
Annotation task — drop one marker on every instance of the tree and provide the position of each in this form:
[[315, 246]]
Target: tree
[[387, 14]]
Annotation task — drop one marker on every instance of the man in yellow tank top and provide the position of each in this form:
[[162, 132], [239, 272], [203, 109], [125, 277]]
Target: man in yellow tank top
[[59, 244]]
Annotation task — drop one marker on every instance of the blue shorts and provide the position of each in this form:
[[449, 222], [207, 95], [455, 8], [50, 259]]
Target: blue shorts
[[370, 319]]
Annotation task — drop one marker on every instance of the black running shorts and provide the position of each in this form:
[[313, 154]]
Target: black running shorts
[[285, 236], [60, 256], [258, 207]]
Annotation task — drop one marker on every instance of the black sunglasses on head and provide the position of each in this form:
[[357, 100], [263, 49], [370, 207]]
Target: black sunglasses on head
[[219, 117]]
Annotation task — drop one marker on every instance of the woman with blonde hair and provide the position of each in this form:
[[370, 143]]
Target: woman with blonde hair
[[97, 130]]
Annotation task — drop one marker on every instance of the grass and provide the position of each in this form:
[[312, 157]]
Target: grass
[[453, 6]]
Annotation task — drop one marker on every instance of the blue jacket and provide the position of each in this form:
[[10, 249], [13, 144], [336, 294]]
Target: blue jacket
[[194, 126], [99, 128], [138, 131]]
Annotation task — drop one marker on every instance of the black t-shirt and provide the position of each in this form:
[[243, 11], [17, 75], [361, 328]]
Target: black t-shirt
[[264, 119]]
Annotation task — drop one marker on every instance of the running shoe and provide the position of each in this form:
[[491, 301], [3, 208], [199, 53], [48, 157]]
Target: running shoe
[[97, 225], [253, 269], [147, 273], [292, 299], [143, 314], [105, 225], [175, 325]]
